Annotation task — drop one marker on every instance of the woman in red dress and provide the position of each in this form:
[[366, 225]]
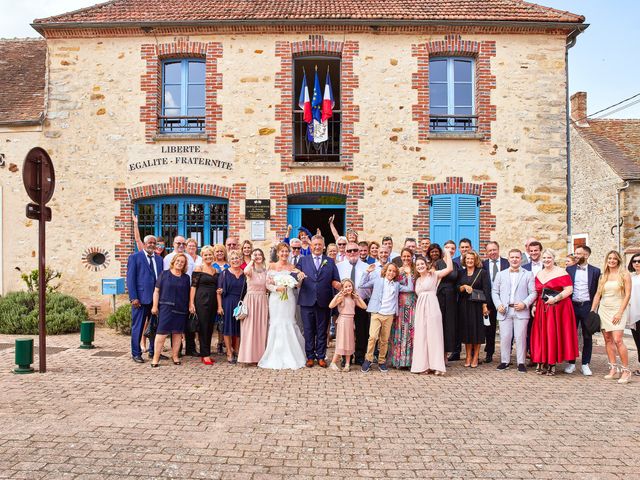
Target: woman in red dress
[[554, 337]]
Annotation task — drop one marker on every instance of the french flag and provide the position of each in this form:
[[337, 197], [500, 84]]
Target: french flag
[[327, 100], [304, 102]]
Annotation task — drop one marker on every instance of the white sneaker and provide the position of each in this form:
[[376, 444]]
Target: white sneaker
[[586, 371], [570, 368]]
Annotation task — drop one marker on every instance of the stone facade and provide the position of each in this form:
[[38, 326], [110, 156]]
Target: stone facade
[[100, 100]]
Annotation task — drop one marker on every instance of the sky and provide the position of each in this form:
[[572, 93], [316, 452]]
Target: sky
[[604, 63]]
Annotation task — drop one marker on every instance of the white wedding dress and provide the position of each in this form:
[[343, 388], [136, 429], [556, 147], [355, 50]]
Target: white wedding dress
[[285, 343]]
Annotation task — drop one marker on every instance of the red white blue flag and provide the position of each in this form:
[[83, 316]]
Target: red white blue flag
[[304, 102], [327, 101]]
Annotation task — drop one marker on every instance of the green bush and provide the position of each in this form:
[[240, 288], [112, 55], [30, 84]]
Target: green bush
[[19, 313], [121, 319]]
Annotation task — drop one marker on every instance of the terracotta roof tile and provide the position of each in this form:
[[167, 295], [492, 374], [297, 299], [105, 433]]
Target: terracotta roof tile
[[618, 143], [265, 10], [22, 80]]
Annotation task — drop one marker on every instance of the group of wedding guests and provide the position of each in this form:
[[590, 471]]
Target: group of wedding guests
[[413, 309]]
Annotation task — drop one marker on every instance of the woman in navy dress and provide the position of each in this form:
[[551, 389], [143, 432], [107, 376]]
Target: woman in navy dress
[[171, 304], [231, 287]]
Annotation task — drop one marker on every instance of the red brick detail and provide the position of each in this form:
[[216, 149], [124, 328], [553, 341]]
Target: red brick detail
[[426, 30], [456, 185], [454, 45], [353, 191], [175, 186], [151, 82], [317, 45]]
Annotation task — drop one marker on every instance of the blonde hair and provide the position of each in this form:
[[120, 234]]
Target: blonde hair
[[383, 272], [218, 247], [550, 252], [604, 278], [235, 253], [477, 263], [185, 267], [192, 240], [206, 249], [282, 245], [347, 280]]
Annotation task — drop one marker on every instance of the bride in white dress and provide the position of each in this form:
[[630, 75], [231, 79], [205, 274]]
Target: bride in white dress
[[285, 343]]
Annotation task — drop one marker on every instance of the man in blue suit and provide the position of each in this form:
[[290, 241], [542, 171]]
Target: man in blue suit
[[585, 280], [316, 292], [143, 269], [492, 265]]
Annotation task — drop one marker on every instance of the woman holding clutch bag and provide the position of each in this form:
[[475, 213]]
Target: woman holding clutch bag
[[554, 336]]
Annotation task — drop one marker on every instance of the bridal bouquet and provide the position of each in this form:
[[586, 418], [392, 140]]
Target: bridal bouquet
[[286, 281]]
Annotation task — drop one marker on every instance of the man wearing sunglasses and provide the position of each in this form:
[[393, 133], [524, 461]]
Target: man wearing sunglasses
[[355, 269], [179, 246]]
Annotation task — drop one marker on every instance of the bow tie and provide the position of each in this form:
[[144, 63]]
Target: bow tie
[[582, 268]]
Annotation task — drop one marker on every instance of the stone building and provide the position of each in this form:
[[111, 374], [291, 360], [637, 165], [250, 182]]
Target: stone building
[[449, 121], [605, 182]]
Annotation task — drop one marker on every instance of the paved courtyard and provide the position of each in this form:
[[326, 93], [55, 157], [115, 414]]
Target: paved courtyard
[[96, 414]]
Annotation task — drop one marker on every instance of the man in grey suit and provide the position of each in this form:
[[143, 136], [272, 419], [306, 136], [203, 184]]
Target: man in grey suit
[[513, 293]]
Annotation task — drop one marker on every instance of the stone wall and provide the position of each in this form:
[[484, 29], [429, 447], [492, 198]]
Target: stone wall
[[593, 198], [94, 129]]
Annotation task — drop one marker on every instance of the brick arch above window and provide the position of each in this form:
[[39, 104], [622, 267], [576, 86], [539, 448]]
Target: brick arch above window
[[454, 45], [280, 191], [175, 186], [317, 45], [151, 82], [485, 191]]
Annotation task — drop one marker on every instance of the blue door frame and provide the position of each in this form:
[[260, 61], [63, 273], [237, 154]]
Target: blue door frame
[[453, 217], [294, 214]]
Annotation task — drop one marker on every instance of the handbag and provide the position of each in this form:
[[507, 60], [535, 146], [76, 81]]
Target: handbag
[[548, 293], [592, 323], [241, 310], [477, 295], [193, 323], [152, 327]]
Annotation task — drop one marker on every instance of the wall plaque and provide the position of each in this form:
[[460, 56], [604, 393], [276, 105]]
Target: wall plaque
[[179, 158], [257, 209]]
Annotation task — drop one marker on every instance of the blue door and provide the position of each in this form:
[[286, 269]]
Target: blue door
[[316, 216], [453, 217]]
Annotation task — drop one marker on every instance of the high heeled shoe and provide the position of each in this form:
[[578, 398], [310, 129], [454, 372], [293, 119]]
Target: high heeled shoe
[[551, 371], [625, 376], [614, 372], [539, 369]]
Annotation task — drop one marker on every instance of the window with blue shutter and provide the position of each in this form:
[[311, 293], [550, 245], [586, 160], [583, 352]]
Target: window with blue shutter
[[453, 217]]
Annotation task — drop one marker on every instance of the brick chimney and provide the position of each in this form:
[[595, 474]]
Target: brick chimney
[[579, 108]]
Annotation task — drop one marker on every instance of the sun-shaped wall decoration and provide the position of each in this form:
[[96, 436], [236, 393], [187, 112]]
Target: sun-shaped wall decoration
[[95, 259]]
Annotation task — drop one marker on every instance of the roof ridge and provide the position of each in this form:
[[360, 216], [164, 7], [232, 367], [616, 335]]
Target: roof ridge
[[96, 6], [551, 9]]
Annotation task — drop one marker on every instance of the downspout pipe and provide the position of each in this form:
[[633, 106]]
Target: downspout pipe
[[570, 43], [618, 226]]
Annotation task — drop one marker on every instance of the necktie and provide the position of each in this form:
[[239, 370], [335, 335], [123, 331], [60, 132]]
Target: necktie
[[153, 267], [317, 262], [353, 274], [295, 260], [494, 270]]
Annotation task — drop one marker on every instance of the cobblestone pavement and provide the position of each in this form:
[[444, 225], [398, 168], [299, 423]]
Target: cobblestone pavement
[[102, 417]]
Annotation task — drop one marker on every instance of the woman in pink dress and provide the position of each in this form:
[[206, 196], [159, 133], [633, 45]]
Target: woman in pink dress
[[554, 337], [428, 338], [253, 329], [346, 301]]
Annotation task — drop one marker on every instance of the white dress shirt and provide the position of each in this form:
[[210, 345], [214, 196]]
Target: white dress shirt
[[581, 285], [513, 277], [344, 271], [536, 267], [388, 305]]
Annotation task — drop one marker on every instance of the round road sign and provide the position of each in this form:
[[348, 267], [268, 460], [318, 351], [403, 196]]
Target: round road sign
[[38, 174]]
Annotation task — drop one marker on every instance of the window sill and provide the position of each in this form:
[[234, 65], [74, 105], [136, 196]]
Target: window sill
[[455, 136], [168, 137], [318, 164]]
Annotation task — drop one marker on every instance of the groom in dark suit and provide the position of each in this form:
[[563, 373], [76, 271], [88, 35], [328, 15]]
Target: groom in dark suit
[[316, 292], [492, 265]]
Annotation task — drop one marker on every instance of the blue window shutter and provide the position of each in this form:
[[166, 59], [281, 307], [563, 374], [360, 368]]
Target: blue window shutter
[[468, 219], [294, 218], [441, 216]]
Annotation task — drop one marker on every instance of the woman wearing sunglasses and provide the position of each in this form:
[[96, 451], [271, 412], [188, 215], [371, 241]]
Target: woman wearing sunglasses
[[634, 304]]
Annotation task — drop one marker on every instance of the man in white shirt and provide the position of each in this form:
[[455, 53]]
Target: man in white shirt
[[535, 262], [341, 243], [179, 246], [354, 268], [585, 280], [513, 293]]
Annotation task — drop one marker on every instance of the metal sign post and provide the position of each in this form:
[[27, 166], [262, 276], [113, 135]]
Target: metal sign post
[[39, 180]]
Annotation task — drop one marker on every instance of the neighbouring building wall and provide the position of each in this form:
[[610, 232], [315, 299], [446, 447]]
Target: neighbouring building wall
[[593, 198], [631, 214], [94, 131]]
